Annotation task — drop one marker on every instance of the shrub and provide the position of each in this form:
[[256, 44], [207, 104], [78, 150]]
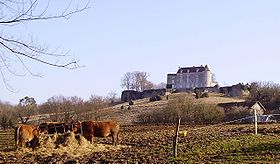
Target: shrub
[[159, 116], [7, 122], [236, 113], [205, 114], [187, 110], [205, 94], [155, 98], [198, 93], [130, 102]]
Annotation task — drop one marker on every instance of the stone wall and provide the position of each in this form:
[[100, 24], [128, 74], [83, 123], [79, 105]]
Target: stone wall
[[234, 90], [134, 95]]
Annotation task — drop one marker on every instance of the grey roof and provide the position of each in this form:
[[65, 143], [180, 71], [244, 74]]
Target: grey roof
[[193, 69]]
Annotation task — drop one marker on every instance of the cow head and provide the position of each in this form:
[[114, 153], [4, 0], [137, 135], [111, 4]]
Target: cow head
[[76, 126]]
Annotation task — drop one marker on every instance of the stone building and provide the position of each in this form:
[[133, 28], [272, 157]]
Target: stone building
[[188, 78]]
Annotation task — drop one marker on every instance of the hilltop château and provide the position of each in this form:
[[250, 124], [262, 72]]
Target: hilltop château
[[187, 79], [190, 78]]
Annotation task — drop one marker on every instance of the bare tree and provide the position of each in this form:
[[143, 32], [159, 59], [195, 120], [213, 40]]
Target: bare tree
[[63, 108], [112, 97], [149, 85], [139, 80], [97, 102], [136, 80], [127, 81], [27, 106], [15, 52]]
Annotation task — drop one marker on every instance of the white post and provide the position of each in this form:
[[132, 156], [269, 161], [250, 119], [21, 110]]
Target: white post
[[256, 122]]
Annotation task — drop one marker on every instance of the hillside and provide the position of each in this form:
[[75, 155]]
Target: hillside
[[128, 116]]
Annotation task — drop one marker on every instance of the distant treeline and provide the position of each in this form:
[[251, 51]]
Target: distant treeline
[[58, 109]]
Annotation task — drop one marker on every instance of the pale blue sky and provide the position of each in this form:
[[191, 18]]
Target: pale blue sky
[[239, 40]]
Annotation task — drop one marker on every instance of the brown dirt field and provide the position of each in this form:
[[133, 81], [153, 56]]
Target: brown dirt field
[[153, 144]]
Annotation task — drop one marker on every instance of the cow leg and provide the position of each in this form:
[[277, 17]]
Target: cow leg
[[115, 138], [20, 144], [91, 139], [114, 135]]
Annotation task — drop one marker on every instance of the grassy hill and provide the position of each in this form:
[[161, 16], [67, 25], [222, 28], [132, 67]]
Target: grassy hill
[[124, 115]]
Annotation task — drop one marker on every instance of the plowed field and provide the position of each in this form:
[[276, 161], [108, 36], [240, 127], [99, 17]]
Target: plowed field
[[154, 144]]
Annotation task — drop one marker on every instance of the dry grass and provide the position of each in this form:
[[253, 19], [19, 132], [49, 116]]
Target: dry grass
[[128, 116], [217, 100], [66, 144]]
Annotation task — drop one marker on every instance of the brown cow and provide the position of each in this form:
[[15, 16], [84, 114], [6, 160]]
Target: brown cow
[[26, 134], [90, 129]]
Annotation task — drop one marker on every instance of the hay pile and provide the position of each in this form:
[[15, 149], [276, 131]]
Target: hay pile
[[68, 144]]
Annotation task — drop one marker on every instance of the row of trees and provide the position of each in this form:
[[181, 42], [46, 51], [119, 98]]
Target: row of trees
[[56, 108], [268, 93], [138, 81]]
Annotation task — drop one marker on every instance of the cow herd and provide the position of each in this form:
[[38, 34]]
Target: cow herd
[[28, 135]]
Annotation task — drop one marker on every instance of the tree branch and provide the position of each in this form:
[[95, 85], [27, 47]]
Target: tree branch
[[12, 50], [27, 15]]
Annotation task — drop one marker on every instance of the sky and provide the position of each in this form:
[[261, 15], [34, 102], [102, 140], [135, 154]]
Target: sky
[[239, 41]]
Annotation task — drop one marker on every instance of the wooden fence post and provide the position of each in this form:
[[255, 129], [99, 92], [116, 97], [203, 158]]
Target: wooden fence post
[[256, 122], [176, 138]]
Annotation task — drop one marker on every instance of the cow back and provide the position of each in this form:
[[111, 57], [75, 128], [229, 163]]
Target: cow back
[[25, 133]]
